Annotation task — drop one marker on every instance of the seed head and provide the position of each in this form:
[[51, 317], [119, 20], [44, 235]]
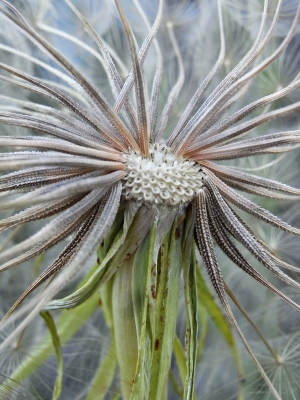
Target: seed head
[[161, 178]]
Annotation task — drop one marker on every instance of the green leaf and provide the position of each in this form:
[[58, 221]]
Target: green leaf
[[125, 333], [203, 317], [57, 347], [142, 270], [166, 310], [190, 294], [105, 295], [124, 244], [181, 363], [191, 336]]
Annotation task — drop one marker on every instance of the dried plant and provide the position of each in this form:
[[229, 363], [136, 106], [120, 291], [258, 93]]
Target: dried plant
[[149, 182]]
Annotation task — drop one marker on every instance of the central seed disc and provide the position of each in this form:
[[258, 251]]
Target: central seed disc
[[161, 178]]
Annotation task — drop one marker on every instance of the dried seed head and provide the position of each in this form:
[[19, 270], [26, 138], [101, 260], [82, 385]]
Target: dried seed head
[[161, 178]]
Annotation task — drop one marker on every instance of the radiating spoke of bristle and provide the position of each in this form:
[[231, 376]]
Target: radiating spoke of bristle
[[217, 135], [240, 231], [54, 231], [76, 88], [265, 248], [267, 61], [188, 113], [205, 244], [234, 224], [234, 174], [64, 257], [259, 191], [264, 101], [139, 85], [85, 46], [267, 144], [62, 130], [250, 207], [49, 90], [63, 189], [154, 101], [29, 180], [40, 247], [269, 252], [56, 145], [209, 113], [103, 220], [89, 88], [36, 177], [128, 85], [77, 131], [252, 54], [231, 251], [35, 213], [9, 161], [195, 125], [174, 93], [115, 79]]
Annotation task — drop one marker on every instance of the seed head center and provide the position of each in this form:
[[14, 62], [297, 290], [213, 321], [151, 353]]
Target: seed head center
[[161, 178]]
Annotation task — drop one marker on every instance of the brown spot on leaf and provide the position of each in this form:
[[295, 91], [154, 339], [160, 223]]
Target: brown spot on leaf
[[153, 269], [177, 233], [153, 292], [156, 344]]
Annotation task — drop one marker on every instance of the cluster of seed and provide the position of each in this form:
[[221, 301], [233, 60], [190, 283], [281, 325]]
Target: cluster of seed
[[161, 178]]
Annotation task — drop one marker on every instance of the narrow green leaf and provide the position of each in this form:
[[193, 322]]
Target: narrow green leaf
[[191, 336], [105, 294], [203, 317], [175, 384], [124, 326], [57, 347], [142, 269], [190, 295], [166, 310], [181, 362], [124, 244]]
